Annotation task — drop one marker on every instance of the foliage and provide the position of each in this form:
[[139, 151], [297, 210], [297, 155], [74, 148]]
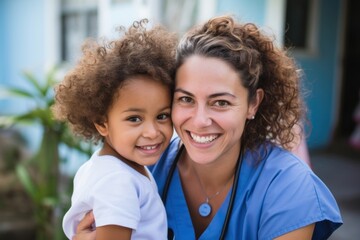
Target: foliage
[[40, 175]]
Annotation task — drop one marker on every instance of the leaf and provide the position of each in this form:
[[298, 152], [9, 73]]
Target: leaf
[[26, 181], [15, 92], [50, 201], [7, 121], [30, 77]]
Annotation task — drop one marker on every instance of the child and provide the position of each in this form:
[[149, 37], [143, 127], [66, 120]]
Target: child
[[120, 93]]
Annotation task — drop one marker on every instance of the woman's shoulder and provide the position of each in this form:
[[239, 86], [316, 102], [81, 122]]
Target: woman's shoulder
[[278, 159], [288, 187]]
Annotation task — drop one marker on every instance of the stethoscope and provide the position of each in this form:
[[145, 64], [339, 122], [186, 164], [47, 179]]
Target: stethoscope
[[232, 197]]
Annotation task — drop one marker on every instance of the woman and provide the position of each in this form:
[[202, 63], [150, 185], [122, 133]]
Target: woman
[[228, 175]]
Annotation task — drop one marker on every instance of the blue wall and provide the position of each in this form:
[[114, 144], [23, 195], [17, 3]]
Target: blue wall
[[321, 70], [21, 43], [21, 48], [245, 10]]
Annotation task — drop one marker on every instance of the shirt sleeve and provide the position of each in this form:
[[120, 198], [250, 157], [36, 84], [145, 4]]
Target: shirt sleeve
[[295, 198], [116, 201]]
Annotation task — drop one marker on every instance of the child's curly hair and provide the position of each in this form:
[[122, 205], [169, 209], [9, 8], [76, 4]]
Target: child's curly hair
[[260, 64], [86, 93]]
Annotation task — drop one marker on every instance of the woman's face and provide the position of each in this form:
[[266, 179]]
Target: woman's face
[[210, 109]]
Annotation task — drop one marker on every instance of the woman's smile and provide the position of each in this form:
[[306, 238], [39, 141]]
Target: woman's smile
[[203, 138]]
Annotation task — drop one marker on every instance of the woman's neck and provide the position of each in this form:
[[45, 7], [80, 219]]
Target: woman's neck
[[213, 175]]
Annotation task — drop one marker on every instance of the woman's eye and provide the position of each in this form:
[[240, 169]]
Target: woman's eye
[[133, 119], [185, 99], [221, 103], [163, 116]]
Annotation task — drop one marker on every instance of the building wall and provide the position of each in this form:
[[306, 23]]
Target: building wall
[[322, 71], [30, 41], [321, 67], [22, 48], [245, 10], [20, 43]]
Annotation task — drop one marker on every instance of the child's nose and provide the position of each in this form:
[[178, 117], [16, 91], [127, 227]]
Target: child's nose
[[151, 130]]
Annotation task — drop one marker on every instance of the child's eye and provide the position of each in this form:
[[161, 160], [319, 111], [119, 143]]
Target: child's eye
[[221, 103], [134, 119], [163, 116]]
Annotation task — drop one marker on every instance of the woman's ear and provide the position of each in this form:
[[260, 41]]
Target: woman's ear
[[255, 103], [102, 128]]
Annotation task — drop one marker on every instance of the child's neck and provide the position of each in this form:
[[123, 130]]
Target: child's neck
[[109, 150]]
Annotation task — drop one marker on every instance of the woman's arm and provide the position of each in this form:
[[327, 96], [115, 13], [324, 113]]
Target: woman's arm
[[304, 233], [84, 230]]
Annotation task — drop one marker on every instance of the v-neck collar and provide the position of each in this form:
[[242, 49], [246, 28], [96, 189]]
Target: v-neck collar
[[179, 219]]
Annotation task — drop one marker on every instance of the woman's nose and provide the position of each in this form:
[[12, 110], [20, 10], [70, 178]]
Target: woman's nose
[[201, 117]]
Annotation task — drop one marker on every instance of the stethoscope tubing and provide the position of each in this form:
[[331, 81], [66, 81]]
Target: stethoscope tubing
[[233, 189]]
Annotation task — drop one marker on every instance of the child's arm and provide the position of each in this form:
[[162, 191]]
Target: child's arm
[[113, 232]]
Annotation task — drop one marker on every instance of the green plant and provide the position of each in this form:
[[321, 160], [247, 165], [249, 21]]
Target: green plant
[[40, 175]]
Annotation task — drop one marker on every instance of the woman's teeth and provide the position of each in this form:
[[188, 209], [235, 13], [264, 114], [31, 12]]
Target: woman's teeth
[[203, 139]]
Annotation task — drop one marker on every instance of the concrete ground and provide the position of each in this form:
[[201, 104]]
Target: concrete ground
[[339, 167]]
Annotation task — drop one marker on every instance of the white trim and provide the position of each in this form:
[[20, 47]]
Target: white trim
[[206, 9], [105, 27], [52, 38], [275, 19]]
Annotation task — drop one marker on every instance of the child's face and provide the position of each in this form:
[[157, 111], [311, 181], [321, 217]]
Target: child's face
[[138, 125]]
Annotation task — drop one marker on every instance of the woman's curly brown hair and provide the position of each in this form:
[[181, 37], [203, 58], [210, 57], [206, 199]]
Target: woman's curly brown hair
[[87, 92], [260, 64]]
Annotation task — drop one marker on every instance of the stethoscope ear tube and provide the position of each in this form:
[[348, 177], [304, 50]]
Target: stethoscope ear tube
[[232, 197], [170, 175]]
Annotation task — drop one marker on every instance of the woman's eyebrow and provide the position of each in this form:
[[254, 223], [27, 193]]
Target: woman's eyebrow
[[211, 96], [220, 94], [183, 91]]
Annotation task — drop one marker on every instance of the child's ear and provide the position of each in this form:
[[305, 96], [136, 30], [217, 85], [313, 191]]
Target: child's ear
[[102, 128]]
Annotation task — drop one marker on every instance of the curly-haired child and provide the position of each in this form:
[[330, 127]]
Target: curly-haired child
[[120, 94]]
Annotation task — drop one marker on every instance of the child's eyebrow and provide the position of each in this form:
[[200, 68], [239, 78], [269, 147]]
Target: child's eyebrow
[[134, 110], [144, 110]]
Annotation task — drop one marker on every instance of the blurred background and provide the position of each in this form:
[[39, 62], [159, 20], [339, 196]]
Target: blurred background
[[41, 39]]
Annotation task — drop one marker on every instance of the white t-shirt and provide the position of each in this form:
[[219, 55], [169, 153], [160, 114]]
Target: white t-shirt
[[118, 195]]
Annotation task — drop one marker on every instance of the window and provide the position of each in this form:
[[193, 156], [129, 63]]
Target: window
[[79, 21], [300, 23], [296, 23]]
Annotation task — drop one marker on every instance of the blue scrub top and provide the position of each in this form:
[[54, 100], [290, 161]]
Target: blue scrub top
[[275, 196]]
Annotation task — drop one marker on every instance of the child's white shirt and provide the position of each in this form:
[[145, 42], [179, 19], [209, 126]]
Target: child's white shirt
[[118, 195]]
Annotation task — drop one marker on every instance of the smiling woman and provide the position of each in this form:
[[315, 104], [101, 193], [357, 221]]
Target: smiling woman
[[237, 100]]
